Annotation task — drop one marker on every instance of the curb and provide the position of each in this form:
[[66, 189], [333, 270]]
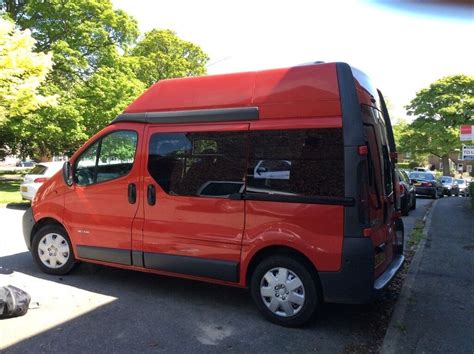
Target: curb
[[394, 335]]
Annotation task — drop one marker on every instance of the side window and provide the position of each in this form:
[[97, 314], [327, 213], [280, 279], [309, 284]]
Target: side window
[[205, 164], [375, 165], [110, 157], [307, 162], [84, 170]]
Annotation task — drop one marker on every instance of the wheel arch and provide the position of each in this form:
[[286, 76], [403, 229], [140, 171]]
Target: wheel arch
[[43, 222], [273, 250]]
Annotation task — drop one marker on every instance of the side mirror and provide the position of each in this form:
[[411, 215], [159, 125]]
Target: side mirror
[[67, 173]]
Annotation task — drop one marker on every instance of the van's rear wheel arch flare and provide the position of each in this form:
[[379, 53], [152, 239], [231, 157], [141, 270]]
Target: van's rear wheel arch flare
[[287, 251]]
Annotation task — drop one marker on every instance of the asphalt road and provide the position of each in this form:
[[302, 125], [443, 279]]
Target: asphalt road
[[103, 309], [438, 316]]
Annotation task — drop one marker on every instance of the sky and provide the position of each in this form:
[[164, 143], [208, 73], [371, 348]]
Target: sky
[[402, 48]]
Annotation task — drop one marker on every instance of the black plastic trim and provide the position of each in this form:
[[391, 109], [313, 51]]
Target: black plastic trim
[[354, 283], [137, 258], [209, 268], [111, 255], [293, 199], [388, 124], [28, 223], [353, 134], [191, 116]]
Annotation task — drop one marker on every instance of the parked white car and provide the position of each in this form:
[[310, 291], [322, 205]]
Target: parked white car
[[37, 176]]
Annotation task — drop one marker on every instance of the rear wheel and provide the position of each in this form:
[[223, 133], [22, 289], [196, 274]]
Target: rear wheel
[[413, 207], [405, 207], [435, 194], [400, 234], [284, 291], [52, 250]]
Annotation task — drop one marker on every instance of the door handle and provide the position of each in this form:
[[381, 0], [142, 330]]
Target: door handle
[[151, 194], [132, 193]]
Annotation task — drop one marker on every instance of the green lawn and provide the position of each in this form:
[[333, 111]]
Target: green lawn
[[10, 193]]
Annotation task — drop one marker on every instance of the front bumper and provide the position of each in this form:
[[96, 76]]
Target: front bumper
[[355, 283], [28, 224]]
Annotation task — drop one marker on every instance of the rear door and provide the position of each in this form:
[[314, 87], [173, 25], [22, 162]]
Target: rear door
[[192, 225], [382, 198]]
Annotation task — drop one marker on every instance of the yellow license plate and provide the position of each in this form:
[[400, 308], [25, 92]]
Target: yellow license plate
[[24, 189]]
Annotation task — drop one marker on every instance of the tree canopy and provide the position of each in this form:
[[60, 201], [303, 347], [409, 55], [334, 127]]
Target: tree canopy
[[21, 72], [99, 65], [439, 110]]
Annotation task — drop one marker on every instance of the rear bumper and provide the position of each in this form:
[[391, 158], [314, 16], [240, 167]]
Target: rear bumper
[[430, 191], [28, 224], [355, 283]]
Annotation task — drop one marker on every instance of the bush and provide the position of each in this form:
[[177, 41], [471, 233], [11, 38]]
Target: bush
[[403, 165]]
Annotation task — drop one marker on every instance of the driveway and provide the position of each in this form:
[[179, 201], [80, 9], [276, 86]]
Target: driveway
[[103, 309]]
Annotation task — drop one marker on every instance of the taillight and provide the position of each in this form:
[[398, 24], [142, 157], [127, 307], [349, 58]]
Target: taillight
[[402, 188], [40, 180], [427, 184]]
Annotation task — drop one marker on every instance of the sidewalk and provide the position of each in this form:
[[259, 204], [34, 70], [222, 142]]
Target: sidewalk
[[435, 311]]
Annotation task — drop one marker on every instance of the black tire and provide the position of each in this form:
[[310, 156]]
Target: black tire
[[400, 230], [310, 289], [54, 231], [435, 194], [405, 207], [413, 207]]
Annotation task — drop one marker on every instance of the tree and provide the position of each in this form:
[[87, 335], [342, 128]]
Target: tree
[[21, 72], [99, 68], [82, 34], [162, 55], [439, 111]]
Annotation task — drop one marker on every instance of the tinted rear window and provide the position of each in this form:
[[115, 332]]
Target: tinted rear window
[[307, 162], [446, 180], [422, 175], [38, 170]]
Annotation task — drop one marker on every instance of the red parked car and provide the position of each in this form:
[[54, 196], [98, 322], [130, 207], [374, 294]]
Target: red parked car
[[179, 184]]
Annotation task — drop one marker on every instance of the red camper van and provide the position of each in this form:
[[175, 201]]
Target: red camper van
[[279, 180]]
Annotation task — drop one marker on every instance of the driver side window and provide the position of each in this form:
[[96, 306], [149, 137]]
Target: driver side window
[[84, 171], [109, 158]]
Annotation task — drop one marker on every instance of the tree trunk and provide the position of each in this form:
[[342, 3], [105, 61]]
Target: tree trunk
[[445, 159]]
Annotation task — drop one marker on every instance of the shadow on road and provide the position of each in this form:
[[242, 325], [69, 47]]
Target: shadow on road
[[157, 312], [18, 206]]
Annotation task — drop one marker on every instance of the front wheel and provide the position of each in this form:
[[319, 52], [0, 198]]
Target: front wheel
[[52, 250], [284, 291]]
